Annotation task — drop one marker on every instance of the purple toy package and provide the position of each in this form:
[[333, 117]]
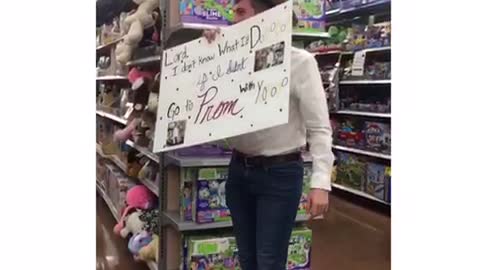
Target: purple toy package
[[377, 137], [214, 12], [211, 205]]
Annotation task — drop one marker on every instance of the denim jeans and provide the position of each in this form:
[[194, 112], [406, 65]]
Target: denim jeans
[[263, 202]]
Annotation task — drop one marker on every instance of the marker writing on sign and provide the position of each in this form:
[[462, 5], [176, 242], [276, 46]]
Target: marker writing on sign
[[209, 111]]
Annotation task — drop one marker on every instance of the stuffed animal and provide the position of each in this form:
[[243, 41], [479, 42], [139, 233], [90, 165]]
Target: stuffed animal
[[139, 241], [133, 224], [150, 219], [123, 134], [135, 23], [150, 251], [138, 197]]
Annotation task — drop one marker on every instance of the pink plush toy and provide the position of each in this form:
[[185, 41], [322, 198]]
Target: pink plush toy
[[137, 77], [138, 197], [124, 134]]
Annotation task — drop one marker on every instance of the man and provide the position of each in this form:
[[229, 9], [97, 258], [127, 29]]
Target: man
[[266, 171]]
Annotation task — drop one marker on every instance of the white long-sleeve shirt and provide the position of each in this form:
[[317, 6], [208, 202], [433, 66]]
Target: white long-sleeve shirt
[[308, 121]]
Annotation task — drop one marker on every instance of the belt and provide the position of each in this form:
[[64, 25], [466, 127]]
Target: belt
[[265, 161]]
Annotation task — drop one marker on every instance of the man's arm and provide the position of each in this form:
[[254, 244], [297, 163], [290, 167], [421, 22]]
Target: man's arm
[[314, 109]]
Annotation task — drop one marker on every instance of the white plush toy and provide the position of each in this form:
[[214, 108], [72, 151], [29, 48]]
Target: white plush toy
[[134, 25], [133, 224]]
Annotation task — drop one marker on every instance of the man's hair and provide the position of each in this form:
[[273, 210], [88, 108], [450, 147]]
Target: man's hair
[[262, 5]]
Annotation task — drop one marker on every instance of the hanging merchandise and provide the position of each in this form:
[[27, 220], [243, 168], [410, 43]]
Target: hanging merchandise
[[135, 23], [212, 12], [310, 16]]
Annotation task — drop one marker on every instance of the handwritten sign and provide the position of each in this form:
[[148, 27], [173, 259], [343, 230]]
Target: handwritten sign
[[237, 84]]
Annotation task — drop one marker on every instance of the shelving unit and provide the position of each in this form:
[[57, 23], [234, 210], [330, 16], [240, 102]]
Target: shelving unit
[[362, 152], [367, 114], [113, 117], [112, 78], [359, 193], [365, 82], [145, 60]]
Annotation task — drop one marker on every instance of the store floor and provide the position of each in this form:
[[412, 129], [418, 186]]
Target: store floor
[[350, 238]]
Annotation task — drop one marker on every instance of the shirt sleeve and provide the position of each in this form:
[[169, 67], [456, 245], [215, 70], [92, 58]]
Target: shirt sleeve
[[314, 110]]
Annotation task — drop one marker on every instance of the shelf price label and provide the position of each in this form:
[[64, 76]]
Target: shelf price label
[[358, 64]]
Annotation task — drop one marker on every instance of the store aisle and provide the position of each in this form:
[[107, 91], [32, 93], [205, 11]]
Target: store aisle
[[112, 251], [351, 238]]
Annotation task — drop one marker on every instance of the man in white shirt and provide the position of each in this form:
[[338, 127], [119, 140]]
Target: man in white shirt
[[266, 171]]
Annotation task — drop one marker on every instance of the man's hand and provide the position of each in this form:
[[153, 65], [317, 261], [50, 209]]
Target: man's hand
[[317, 202], [211, 35]]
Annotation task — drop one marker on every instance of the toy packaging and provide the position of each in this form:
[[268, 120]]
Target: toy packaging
[[299, 250], [388, 181], [350, 171], [348, 132], [307, 175], [377, 137], [217, 12], [217, 253], [309, 14], [376, 180], [187, 179], [211, 204]]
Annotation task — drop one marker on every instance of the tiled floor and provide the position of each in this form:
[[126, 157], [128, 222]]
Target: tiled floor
[[350, 238]]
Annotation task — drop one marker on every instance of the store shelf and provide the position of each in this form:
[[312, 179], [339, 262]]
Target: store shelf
[[359, 193], [365, 82], [112, 78], [368, 114], [369, 50], [113, 117], [151, 186], [101, 47], [373, 7], [112, 158], [326, 53], [182, 161], [146, 60], [173, 219], [361, 152], [311, 35], [172, 159], [145, 151], [109, 202]]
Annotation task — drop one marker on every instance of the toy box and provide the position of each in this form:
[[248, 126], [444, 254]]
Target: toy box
[[187, 179], [307, 175], [299, 250], [211, 205], [350, 171], [348, 132], [376, 184], [202, 253], [218, 12], [388, 181], [377, 137], [310, 16]]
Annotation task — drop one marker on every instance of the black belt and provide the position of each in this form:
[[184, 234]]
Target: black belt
[[264, 161]]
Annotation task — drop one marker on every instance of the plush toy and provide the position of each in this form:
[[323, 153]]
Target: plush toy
[[139, 241], [135, 23], [150, 219], [135, 74], [150, 251], [138, 197], [133, 224], [123, 134]]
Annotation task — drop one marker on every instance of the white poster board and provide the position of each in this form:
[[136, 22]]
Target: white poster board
[[238, 84]]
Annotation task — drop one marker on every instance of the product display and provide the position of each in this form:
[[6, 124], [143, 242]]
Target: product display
[[351, 171], [377, 137], [309, 14], [211, 204], [213, 12]]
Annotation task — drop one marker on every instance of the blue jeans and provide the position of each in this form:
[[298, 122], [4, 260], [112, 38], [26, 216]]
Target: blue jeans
[[263, 202]]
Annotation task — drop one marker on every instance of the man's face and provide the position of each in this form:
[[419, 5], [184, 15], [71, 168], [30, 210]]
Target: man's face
[[243, 10]]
